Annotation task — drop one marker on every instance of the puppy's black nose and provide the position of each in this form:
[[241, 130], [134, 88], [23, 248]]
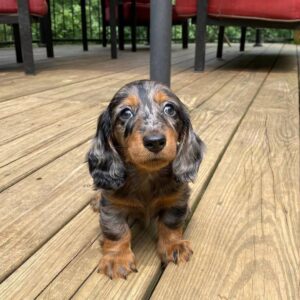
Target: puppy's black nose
[[154, 143]]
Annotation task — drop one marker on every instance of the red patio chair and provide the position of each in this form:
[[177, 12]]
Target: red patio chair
[[135, 13], [19, 14], [257, 13]]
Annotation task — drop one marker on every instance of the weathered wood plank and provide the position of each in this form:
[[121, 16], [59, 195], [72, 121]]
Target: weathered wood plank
[[38, 148], [231, 112], [81, 230], [84, 69], [38, 206], [213, 116], [246, 229], [89, 92], [216, 121], [16, 215], [79, 89]]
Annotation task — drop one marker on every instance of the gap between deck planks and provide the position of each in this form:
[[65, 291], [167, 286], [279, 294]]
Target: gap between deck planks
[[246, 229], [213, 114], [16, 209]]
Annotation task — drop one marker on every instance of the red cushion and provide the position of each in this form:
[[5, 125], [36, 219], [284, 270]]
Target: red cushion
[[261, 9], [142, 12], [36, 7]]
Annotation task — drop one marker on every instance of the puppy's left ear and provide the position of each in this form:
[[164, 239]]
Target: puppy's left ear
[[189, 154]]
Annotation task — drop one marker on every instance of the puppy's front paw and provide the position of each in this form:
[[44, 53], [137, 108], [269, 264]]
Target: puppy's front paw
[[174, 251], [117, 265]]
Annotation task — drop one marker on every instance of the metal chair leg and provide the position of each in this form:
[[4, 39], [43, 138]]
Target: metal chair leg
[[185, 34], [17, 40], [220, 42], [26, 36]]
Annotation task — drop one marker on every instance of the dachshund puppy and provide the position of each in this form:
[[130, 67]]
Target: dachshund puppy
[[142, 157]]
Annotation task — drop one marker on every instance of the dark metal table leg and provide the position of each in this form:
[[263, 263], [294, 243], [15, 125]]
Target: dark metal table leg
[[160, 40], [113, 32], [83, 25]]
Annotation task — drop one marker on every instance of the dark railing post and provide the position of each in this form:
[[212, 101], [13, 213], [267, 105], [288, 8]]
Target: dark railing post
[[26, 36], [200, 35], [258, 38], [160, 40], [83, 25], [133, 25], [113, 32], [104, 37], [243, 38], [46, 24], [121, 25]]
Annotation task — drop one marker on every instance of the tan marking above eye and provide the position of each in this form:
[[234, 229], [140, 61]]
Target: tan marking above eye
[[131, 100], [160, 97]]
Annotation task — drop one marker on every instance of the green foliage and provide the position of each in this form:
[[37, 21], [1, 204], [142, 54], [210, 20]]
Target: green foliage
[[66, 25]]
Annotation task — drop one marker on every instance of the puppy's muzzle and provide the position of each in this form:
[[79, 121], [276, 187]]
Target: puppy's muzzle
[[154, 143]]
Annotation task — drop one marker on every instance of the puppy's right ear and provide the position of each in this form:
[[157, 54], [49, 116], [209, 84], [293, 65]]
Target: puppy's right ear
[[105, 164]]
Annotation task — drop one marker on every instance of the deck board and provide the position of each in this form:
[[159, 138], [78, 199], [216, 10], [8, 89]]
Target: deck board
[[251, 250], [35, 150], [216, 122], [48, 234]]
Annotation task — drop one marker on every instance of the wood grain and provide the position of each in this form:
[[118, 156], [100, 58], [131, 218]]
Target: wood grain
[[42, 146], [46, 227], [245, 230], [209, 121], [19, 217]]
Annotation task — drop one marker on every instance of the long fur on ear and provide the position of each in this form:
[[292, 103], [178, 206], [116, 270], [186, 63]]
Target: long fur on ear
[[105, 164], [189, 154]]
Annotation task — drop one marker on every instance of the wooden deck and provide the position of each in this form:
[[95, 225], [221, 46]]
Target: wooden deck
[[245, 227]]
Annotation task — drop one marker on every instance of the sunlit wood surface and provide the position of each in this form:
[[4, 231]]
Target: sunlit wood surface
[[245, 222]]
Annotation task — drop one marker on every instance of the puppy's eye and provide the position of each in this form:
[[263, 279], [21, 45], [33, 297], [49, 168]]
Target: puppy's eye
[[126, 114], [170, 110]]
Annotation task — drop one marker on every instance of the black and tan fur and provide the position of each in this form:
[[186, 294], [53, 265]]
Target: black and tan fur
[[142, 157]]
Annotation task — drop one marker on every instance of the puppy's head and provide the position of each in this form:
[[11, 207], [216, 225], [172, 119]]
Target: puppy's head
[[146, 126]]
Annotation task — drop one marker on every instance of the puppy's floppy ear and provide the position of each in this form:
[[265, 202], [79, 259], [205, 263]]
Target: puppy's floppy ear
[[189, 154], [105, 164]]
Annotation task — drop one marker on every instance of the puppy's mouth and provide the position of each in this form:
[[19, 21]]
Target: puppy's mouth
[[154, 162]]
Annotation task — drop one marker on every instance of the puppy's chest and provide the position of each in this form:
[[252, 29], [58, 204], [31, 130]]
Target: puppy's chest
[[148, 195]]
